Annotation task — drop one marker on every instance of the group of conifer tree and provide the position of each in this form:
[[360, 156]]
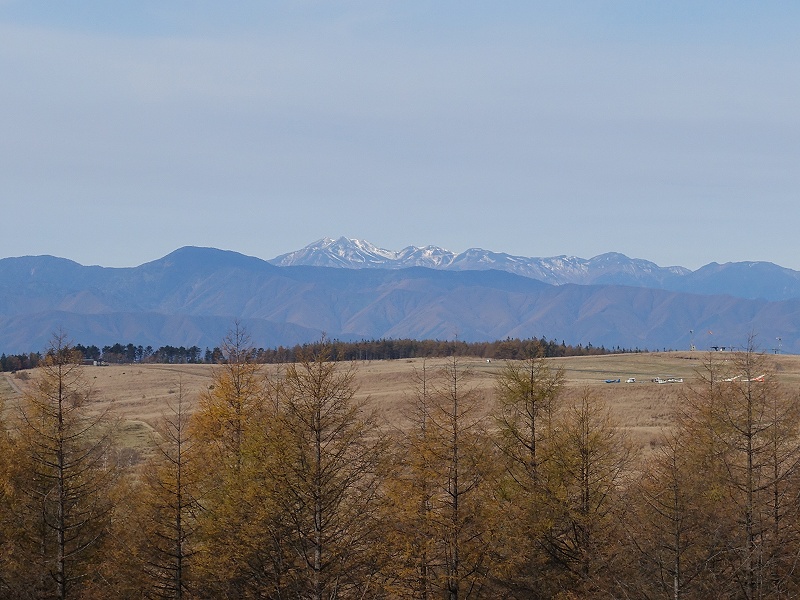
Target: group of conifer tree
[[289, 487]]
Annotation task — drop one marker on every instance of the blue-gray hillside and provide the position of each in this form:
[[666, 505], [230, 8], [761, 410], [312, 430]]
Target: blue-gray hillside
[[193, 295], [741, 279]]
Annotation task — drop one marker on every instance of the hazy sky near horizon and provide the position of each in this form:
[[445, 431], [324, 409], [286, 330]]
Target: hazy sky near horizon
[[668, 131]]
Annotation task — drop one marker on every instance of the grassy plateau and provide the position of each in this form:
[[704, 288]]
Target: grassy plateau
[[139, 394]]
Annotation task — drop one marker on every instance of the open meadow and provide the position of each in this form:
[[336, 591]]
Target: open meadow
[[139, 394]]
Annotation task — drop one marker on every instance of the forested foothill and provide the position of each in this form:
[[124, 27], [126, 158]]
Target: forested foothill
[[284, 483]]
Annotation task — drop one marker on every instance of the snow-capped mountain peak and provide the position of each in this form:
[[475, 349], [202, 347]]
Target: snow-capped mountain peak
[[340, 252], [611, 267]]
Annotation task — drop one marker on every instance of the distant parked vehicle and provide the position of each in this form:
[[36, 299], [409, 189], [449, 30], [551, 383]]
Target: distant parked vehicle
[[612, 380], [630, 380], [668, 380]]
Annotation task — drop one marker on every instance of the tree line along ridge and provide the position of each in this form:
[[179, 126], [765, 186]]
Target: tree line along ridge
[[383, 349]]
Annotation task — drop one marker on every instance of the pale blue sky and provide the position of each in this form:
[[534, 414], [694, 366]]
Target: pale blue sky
[[667, 131]]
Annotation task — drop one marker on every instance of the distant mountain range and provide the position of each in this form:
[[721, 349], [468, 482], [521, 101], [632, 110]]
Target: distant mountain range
[[350, 289], [742, 279]]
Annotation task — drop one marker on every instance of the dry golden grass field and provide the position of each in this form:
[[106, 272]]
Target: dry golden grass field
[[139, 394]]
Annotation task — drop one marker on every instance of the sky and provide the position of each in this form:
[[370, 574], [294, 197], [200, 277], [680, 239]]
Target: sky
[[668, 131]]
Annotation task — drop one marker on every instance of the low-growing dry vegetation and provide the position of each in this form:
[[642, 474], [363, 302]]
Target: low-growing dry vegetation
[[139, 392]]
